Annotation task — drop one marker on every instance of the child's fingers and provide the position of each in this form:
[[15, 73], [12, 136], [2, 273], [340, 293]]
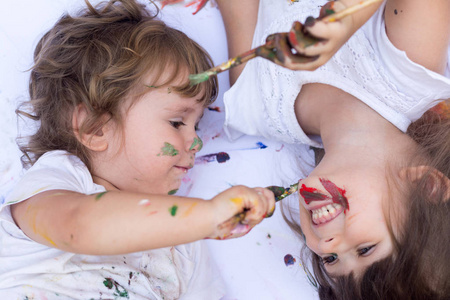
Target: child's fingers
[[262, 204], [326, 31], [283, 54]]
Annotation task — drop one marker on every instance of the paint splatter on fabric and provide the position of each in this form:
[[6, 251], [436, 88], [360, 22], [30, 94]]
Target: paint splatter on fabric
[[120, 290], [214, 108], [289, 260], [220, 157]]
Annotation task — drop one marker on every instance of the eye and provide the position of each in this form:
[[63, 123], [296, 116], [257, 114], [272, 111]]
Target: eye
[[365, 251], [330, 259], [176, 124]]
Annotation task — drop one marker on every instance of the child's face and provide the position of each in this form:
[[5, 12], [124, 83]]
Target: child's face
[[159, 143], [345, 223]]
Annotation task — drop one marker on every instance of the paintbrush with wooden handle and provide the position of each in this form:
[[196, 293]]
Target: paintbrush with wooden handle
[[259, 51]]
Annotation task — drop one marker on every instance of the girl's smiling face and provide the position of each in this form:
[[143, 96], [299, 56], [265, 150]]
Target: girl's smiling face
[[157, 144], [344, 224]]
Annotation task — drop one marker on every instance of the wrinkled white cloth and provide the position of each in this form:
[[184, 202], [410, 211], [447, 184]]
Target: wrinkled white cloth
[[368, 66], [29, 270]]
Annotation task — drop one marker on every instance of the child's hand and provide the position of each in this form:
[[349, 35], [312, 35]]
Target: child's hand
[[239, 209], [332, 36], [309, 46]]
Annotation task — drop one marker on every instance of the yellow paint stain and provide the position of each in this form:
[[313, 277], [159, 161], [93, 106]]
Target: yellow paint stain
[[40, 190], [47, 238], [32, 221], [190, 209], [237, 201], [32, 217]]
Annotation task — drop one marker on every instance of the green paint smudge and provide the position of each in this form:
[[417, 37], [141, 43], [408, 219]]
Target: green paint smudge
[[173, 210], [99, 195], [120, 290], [197, 141], [168, 150], [172, 192]]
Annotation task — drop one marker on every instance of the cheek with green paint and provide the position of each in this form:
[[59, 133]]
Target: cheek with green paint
[[168, 150], [197, 142]]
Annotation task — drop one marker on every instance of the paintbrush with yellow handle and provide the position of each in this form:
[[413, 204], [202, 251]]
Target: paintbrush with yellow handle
[[263, 50]]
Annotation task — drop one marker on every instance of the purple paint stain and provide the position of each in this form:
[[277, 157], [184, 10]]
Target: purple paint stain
[[220, 157], [289, 260]]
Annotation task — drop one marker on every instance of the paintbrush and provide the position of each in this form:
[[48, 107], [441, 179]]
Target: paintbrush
[[281, 192], [244, 57]]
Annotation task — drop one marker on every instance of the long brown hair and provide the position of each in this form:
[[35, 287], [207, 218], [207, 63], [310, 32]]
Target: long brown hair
[[97, 58], [419, 267]]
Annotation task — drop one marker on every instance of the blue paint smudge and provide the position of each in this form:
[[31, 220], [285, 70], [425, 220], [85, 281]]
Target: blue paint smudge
[[261, 145]]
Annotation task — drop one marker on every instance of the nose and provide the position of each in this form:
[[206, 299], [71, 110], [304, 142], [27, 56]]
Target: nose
[[196, 144], [328, 244]]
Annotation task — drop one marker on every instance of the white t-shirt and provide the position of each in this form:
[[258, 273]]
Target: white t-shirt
[[368, 66], [29, 270]]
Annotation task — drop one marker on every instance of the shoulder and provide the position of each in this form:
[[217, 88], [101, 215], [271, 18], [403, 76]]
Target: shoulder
[[55, 170]]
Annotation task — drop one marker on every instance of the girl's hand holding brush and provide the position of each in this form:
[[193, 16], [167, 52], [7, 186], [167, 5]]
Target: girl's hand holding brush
[[306, 46]]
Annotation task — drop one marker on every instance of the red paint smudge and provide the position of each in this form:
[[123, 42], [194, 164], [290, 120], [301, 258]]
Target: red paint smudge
[[282, 146], [311, 194], [337, 194], [214, 108]]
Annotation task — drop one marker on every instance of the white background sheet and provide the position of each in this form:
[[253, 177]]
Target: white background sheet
[[253, 266]]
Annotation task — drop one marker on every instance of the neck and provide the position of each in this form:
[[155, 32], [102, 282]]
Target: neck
[[352, 133]]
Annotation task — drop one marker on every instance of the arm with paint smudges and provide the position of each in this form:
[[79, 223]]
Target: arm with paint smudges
[[119, 222]]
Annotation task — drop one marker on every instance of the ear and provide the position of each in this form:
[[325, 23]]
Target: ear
[[435, 178], [95, 141]]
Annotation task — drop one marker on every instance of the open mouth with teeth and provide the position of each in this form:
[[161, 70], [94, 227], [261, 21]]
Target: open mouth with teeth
[[327, 212]]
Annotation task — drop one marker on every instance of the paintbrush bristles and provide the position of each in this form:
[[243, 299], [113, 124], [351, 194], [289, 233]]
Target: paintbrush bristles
[[198, 78]]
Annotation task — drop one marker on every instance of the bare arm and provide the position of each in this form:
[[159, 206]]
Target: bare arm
[[421, 29], [119, 222], [239, 18]]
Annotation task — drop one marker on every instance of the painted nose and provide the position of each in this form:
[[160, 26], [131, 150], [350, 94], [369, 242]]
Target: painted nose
[[196, 144]]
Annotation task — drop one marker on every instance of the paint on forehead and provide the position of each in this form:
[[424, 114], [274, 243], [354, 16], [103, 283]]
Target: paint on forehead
[[311, 194], [172, 192], [197, 141], [337, 194], [168, 150], [289, 260], [173, 210]]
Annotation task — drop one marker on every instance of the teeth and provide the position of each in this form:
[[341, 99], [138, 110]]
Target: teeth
[[326, 213]]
